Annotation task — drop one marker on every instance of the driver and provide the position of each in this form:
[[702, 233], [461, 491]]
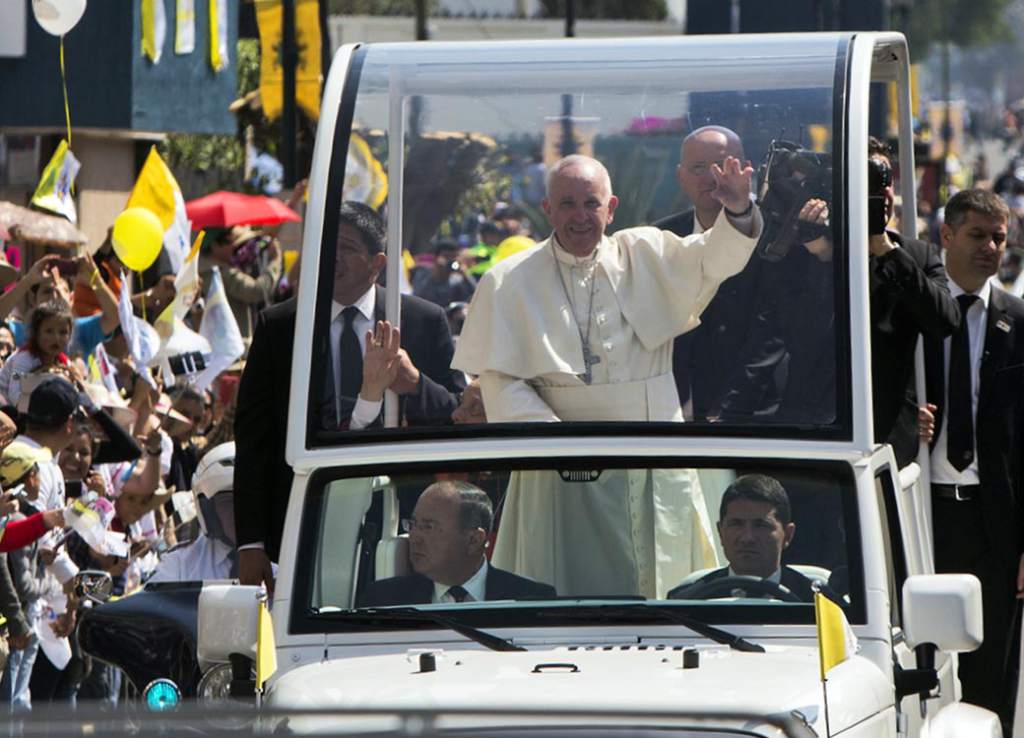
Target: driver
[[755, 527]]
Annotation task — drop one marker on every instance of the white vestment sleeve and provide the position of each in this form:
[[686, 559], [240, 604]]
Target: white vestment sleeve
[[511, 400]]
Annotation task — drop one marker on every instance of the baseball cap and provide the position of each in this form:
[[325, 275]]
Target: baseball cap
[[53, 401], [17, 460]]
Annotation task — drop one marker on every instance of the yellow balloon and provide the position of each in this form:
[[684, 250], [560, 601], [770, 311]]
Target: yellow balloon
[[512, 245], [138, 238]]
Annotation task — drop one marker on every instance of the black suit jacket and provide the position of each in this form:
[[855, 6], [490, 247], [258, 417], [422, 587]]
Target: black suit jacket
[[726, 365], [262, 477], [909, 295], [790, 578], [999, 425], [417, 589]]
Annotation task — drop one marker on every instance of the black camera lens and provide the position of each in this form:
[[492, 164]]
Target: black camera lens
[[879, 176]]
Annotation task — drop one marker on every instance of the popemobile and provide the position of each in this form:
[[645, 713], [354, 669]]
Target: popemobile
[[766, 571]]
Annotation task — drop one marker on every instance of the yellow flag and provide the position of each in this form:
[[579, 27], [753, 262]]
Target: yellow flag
[[266, 650], [308, 71], [268, 19], [836, 642], [307, 74]]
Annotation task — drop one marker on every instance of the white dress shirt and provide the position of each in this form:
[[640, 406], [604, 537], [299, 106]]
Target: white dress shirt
[[475, 586], [364, 412], [977, 316], [203, 559]]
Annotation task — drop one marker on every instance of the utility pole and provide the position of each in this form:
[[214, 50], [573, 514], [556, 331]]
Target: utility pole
[[416, 102], [289, 60], [947, 122], [568, 137]]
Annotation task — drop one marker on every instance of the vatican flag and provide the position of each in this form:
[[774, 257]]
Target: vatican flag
[[266, 649], [54, 190], [157, 190], [154, 29], [219, 58], [365, 180], [836, 640]]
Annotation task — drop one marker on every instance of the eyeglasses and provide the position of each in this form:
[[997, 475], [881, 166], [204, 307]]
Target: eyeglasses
[[423, 526]]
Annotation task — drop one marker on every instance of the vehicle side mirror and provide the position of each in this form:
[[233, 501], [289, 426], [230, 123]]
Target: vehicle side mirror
[[226, 622], [943, 610], [94, 585]]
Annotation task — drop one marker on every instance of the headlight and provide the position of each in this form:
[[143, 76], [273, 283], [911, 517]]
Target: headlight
[[215, 686], [214, 690], [161, 695]]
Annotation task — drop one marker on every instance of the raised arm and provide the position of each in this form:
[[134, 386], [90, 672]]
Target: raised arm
[[89, 273]]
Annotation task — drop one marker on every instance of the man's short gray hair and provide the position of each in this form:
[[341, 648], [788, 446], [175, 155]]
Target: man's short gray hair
[[576, 160]]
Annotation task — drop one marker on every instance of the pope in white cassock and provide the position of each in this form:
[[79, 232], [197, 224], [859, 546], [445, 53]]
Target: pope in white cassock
[[580, 328]]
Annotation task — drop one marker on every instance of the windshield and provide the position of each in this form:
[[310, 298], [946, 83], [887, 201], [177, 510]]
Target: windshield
[[444, 157], [531, 544]]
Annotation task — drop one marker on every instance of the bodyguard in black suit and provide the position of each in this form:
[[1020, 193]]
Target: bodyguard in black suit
[[447, 541], [711, 363], [427, 385], [975, 379]]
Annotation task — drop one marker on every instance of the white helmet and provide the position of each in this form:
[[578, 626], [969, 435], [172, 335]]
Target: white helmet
[[214, 476]]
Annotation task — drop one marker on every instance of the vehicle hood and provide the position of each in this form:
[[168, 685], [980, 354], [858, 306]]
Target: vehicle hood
[[629, 679]]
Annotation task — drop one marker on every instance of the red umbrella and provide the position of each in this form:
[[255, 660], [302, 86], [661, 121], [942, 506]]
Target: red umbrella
[[225, 209]]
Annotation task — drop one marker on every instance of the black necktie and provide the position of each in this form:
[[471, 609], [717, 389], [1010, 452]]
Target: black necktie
[[351, 364], [960, 424], [458, 593]]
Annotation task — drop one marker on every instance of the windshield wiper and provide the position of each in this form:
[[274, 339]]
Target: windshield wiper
[[641, 611], [414, 615]]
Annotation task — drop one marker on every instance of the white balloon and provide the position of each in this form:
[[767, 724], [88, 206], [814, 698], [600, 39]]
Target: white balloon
[[58, 16]]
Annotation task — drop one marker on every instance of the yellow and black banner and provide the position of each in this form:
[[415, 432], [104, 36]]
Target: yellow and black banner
[[308, 71]]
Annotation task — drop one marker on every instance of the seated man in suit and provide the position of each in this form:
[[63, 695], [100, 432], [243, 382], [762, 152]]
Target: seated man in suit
[[447, 537], [755, 527]]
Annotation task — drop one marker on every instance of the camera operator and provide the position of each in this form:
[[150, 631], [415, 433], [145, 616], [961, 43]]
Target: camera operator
[[445, 282], [909, 295]]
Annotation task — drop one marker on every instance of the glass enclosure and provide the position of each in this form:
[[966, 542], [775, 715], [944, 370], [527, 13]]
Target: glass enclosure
[[527, 544], [760, 348]]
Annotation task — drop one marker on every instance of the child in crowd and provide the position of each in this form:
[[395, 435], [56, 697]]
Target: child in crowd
[[49, 336], [19, 471]]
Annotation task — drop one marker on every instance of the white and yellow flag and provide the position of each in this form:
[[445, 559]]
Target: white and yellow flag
[[184, 26], [219, 58], [836, 640], [154, 29], [220, 328], [54, 190], [158, 191], [365, 180]]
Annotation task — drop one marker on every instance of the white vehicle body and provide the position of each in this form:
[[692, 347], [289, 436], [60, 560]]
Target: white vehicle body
[[634, 668]]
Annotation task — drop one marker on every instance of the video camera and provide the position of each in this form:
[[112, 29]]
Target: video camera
[[879, 179], [788, 178]]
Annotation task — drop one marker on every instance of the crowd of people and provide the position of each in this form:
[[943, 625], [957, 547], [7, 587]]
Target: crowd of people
[[105, 463]]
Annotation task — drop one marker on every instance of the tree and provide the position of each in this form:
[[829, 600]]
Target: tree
[[377, 7], [962, 22]]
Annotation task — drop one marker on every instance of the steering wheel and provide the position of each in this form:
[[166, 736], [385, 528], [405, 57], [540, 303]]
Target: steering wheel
[[753, 586]]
